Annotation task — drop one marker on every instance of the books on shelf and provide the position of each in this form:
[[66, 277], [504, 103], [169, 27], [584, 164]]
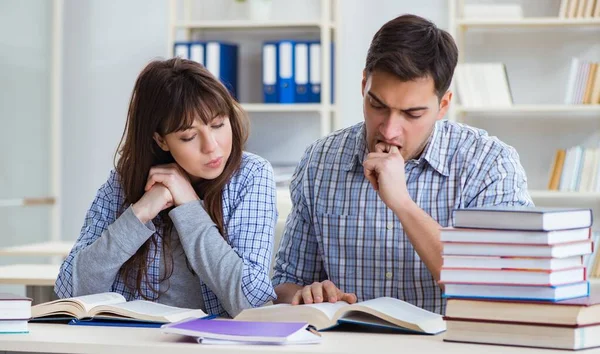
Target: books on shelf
[[15, 312], [384, 312], [579, 9], [112, 306], [244, 332], [576, 169], [583, 83], [219, 58], [483, 85], [292, 71]]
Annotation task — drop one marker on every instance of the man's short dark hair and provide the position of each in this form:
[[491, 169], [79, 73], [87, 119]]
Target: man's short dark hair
[[411, 47]]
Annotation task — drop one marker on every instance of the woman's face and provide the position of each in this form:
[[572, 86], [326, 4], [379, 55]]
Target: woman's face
[[203, 150]]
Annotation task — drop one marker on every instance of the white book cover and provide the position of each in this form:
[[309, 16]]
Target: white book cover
[[587, 170], [562, 12], [460, 78], [567, 171], [576, 169], [474, 85], [571, 81]]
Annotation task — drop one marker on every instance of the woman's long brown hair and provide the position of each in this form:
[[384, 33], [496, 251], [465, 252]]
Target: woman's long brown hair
[[168, 96]]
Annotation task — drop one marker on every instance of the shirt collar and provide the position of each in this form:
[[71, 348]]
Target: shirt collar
[[433, 153], [436, 151], [359, 149]]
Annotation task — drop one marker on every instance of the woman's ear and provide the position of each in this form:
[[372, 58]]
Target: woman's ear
[[161, 142]]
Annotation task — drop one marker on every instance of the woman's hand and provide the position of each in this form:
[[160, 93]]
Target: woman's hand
[[155, 200], [175, 179]]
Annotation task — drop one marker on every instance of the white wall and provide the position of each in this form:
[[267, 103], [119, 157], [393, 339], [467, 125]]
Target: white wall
[[106, 45], [24, 122], [360, 20]]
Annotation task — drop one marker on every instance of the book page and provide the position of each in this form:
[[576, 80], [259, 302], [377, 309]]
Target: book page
[[318, 315], [399, 313], [328, 308], [90, 301], [149, 311], [399, 309], [77, 306]]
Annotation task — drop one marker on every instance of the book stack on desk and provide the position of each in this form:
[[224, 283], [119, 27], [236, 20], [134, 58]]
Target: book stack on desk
[[509, 274], [15, 311]]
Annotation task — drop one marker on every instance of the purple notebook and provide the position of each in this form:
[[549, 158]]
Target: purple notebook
[[229, 330]]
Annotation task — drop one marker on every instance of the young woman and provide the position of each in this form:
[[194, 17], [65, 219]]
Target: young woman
[[187, 218]]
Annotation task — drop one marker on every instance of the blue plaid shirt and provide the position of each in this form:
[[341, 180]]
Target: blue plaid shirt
[[249, 213], [339, 229]]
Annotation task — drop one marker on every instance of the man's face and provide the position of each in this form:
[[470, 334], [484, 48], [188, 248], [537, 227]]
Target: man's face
[[401, 113]]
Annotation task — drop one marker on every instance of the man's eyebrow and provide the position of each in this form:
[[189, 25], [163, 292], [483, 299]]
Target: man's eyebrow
[[408, 110], [373, 96]]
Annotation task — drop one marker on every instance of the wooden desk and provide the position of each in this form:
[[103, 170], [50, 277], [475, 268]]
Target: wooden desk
[[61, 249], [56, 338], [38, 279]]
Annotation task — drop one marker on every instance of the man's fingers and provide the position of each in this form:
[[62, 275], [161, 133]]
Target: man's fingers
[[307, 295], [372, 178], [394, 150], [349, 298], [331, 291], [317, 292], [380, 147], [297, 298]]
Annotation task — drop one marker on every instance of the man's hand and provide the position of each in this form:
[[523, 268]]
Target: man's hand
[[175, 179], [325, 291], [385, 171]]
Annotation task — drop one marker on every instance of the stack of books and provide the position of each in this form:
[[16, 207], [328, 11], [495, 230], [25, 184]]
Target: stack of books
[[15, 311], [503, 266]]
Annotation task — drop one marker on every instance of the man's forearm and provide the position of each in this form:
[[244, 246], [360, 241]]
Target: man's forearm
[[424, 234], [285, 292]]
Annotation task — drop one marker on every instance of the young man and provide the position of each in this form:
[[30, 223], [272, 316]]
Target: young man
[[369, 200]]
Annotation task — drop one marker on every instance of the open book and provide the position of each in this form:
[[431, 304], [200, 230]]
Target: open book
[[385, 312], [113, 306]]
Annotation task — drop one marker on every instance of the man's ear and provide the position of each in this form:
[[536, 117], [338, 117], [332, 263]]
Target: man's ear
[[161, 142], [364, 83], [444, 104]]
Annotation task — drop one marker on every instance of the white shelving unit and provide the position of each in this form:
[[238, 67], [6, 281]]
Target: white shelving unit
[[534, 108], [459, 26], [248, 24], [55, 88], [556, 195], [529, 22], [327, 26]]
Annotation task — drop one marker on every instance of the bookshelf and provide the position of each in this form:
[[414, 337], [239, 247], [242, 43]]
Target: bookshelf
[[526, 114], [557, 195], [249, 24], [529, 22], [182, 26], [534, 108]]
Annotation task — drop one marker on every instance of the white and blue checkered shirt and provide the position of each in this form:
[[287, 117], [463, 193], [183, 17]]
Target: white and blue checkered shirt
[[249, 213], [339, 229]]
